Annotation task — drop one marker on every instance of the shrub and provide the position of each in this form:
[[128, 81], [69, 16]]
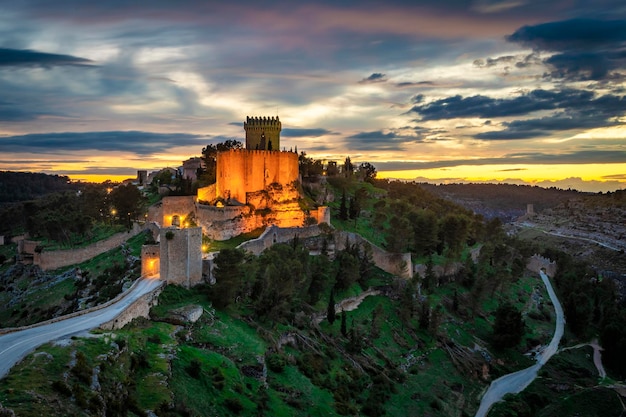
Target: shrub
[[234, 405], [62, 388], [194, 369], [276, 363]]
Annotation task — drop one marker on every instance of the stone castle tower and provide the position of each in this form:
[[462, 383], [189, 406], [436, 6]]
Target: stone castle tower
[[262, 133]]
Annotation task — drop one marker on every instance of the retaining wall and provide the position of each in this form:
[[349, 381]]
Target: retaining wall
[[139, 308], [59, 258], [395, 263], [78, 313]]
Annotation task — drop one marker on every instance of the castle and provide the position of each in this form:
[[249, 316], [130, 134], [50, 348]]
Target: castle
[[255, 187]]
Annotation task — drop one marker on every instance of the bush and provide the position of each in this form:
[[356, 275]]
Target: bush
[[276, 363], [194, 369], [234, 405], [62, 388]]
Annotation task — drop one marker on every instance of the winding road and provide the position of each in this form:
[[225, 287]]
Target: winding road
[[516, 382], [15, 345]]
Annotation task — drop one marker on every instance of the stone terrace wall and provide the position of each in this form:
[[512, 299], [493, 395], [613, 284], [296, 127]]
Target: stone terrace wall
[[394, 263], [399, 264], [275, 234], [59, 258]]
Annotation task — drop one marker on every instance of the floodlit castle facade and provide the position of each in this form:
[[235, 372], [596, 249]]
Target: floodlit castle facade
[[255, 187]]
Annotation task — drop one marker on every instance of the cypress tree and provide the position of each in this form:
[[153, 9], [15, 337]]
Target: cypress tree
[[330, 311], [343, 209]]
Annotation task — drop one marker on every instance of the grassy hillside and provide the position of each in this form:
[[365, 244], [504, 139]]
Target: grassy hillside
[[265, 344]]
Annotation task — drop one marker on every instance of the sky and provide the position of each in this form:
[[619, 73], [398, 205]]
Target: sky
[[445, 91]]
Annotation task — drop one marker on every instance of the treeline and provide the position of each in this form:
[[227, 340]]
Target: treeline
[[21, 186], [285, 279], [412, 219], [592, 308], [69, 217]]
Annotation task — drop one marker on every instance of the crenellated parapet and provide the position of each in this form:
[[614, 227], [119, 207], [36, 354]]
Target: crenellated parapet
[[262, 133]]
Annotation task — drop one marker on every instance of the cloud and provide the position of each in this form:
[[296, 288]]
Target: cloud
[[299, 133], [581, 49], [415, 84], [30, 58], [487, 107], [142, 143], [571, 109], [379, 141], [527, 158], [376, 77], [574, 34]]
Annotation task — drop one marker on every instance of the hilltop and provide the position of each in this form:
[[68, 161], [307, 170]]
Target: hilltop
[[269, 343]]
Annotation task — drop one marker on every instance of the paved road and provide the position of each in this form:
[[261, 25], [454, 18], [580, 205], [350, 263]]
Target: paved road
[[14, 346], [516, 382]]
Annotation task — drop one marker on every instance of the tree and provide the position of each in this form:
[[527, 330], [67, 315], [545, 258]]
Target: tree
[[347, 270], [330, 310], [209, 157], [367, 171], [508, 327], [128, 202], [348, 167], [227, 272], [343, 208], [344, 325]]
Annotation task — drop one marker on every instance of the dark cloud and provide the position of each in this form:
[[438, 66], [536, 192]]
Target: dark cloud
[[94, 170], [574, 34], [538, 158], [29, 58], [487, 107], [600, 112], [299, 133], [15, 115], [545, 126], [415, 84], [378, 141], [581, 49], [519, 61], [142, 143], [376, 77]]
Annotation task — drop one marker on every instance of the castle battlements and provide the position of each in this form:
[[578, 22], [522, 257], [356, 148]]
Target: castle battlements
[[262, 133]]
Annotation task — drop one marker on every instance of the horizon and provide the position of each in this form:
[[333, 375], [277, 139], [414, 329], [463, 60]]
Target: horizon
[[451, 91]]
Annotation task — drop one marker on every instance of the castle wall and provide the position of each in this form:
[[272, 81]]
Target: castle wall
[[179, 206], [241, 171], [399, 264], [181, 256], [275, 234], [150, 260], [395, 263], [207, 194], [48, 260], [257, 126]]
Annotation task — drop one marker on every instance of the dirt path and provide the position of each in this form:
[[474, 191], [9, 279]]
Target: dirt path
[[597, 355]]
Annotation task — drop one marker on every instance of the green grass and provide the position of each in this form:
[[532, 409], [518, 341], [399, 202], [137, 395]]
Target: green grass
[[217, 245]]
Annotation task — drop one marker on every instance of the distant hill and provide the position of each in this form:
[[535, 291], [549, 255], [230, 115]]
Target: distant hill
[[505, 201], [22, 186]]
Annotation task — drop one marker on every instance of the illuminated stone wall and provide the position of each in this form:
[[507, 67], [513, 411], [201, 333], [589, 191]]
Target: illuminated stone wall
[[169, 207], [181, 256], [241, 171], [150, 260]]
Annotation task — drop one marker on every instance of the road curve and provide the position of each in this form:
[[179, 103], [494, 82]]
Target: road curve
[[14, 346], [516, 382]]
